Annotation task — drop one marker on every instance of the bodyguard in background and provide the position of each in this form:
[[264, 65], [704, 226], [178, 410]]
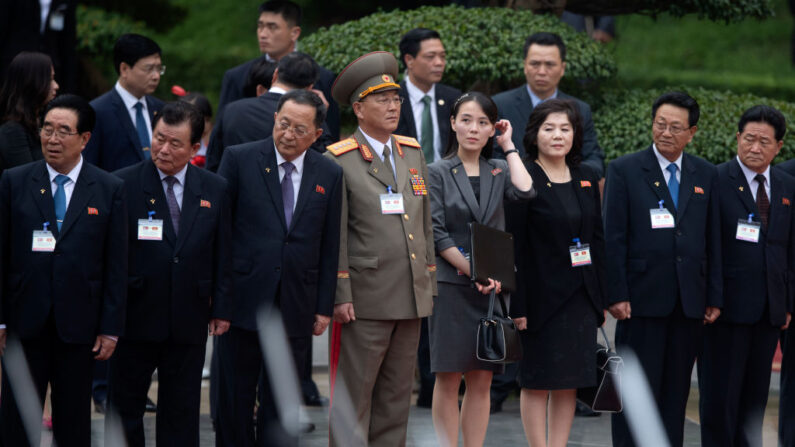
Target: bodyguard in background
[[662, 230], [63, 258], [757, 237], [178, 281]]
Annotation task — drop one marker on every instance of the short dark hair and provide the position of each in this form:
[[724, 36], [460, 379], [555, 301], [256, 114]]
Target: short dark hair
[[764, 114], [411, 42], [489, 108], [678, 99], [307, 98], [260, 73], [86, 117], [201, 103], [290, 11], [26, 89], [545, 39], [537, 118], [130, 48], [297, 69], [178, 112]]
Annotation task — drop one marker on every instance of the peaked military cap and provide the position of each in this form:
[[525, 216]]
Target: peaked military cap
[[372, 73]]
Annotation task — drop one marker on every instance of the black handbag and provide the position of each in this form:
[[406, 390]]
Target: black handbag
[[498, 339], [605, 396]]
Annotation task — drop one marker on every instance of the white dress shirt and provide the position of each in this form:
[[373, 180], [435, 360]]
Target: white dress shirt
[[418, 107], [179, 185], [664, 162], [129, 102], [752, 183], [298, 170], [68, 187], [536, 100], [378, 149], [44, 7]]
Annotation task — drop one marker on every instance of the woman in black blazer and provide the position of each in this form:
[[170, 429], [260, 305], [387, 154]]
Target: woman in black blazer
[[560, 262], [466, 186], [30, 85]]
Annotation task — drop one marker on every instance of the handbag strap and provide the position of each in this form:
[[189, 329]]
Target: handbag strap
[[607, 340], [490, 314]]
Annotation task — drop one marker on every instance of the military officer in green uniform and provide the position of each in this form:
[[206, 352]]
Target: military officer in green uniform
[[386, 279]]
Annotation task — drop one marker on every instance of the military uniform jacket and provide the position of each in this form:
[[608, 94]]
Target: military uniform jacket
[[386, 261]]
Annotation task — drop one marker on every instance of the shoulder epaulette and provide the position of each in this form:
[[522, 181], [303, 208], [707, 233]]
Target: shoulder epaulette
[[407, 141], [343, 146]]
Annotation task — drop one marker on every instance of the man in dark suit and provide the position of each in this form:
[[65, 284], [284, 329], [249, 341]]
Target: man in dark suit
[[663, 258], [286, 203], [757, 235], [179, 264], [278, 29], [63, 296], [786, 409], [23, 27], [123, 133], [251, 119], [544, 66]]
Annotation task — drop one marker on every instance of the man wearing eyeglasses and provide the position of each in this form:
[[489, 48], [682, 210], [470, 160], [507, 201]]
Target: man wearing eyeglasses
[[63, 258], [286, 203], [123, 133], [387, 272], [662, 229]]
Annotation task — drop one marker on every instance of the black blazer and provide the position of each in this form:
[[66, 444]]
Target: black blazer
[[543, 235], [176, 285], [759, 275], [83, 282], [445, 98], [515, 106], [114, 143], [234, 82], [653, 268], [295, 268], [454, 206], [17, 146], [247, 120]]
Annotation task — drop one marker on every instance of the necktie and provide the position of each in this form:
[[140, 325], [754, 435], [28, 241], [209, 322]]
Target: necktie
[[288, 192], [426, 130], [173, 206], [388, 161], [140, 127], [673, 184], [762, 201], [60, 199]]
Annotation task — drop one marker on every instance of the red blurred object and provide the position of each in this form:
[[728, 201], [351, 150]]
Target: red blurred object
[[179, 91], [198, 161], [777, 359]]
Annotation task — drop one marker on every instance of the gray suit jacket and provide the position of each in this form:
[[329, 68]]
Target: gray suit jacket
[[453, 206], [515, 106]]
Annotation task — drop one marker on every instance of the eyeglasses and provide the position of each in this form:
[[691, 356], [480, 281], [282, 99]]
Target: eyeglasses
[[675, 130], [154, 68], [47, 132], [386, 101], [299, 132]]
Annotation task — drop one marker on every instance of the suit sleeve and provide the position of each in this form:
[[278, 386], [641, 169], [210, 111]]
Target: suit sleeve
[[222, 305], [230, 91], [324, 140], [229, 171], [430, 251], [598, 243], [592, 154], [215, 147], [114, 302], [329, 248], [5, 215], [441, 236], [790, 298], [15, 148], [93, 149], [714, 260], [516, 223], [616, 218]]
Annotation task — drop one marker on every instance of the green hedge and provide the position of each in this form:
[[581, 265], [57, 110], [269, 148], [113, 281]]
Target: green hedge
[[483, 44], [623, 122], [97, 31]]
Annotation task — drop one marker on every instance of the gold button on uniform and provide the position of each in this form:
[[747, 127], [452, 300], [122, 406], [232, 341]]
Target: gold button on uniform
[[405, 217], [413, 256], [411, 237]]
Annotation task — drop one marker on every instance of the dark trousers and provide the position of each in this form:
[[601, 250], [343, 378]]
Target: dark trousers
[[67, 368], [179, 376], [734, 382], [786, 412], [308, 386], [666, 348], [427, 378], [241, 363]]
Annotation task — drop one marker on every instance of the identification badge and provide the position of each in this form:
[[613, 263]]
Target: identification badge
[[391, 203], [418, 186], [661, 217], [580, 254], [150, 229], [56, 21], [748, 230], [43, 240]]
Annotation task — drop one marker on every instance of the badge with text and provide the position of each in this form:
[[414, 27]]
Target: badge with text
[[748, 230], [661, 217], [43, 240], [150, 229], [418, 185], [391, 203], [580, 253]]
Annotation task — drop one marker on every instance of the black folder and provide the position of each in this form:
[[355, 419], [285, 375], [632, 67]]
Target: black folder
[[492, 256]]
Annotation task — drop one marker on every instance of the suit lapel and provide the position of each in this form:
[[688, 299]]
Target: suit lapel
[[582, 198], [687, 185], [41, 189], [155, 199], [486, 189], [406, 111], [741, 188], [307, 180], [377, 167], [270, 173], [123, 117], [443, 109], [77, 204], [401, 170], [524, 105], [654, 177], [776, 203], [191, 198], [459, 175]]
